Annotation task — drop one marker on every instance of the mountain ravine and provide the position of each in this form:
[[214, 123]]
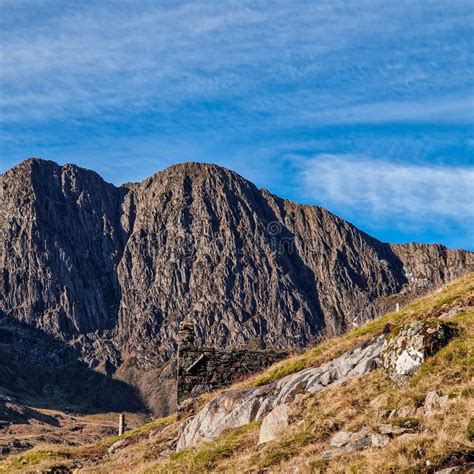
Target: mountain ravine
[[110, 272]]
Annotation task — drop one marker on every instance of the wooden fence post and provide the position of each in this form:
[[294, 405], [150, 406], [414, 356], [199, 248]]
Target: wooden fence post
[[121, 429]]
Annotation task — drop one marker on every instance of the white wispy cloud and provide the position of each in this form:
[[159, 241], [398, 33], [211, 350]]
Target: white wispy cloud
[[405, 195]]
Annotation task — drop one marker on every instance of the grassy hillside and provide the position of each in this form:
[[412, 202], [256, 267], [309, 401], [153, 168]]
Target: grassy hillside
[[443, 439]]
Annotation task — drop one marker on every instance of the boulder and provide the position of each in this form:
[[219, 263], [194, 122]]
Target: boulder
[[332, 452], [274, 424], [121, 443], [360, 444], [405, 412], [347, 441], [454, 312], [380, 401], [403, 354], [340, 439], [361, 434], [379, 441], [391, 429], [230, 410], [434, 401]]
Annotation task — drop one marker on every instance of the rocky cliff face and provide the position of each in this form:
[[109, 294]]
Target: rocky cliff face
[[60, 243], [113, 271]]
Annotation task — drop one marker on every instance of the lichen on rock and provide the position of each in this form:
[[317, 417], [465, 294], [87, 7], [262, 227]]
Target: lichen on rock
[[405, 352]]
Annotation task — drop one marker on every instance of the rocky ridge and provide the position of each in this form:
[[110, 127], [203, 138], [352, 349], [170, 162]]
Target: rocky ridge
[[112, 271]]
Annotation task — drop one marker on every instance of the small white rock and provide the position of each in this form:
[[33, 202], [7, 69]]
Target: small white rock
[[434, 401], [379, 441]]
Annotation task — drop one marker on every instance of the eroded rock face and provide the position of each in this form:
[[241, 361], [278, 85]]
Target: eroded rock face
[[404, 353], [60, 242], [418, 264], [112, 271]]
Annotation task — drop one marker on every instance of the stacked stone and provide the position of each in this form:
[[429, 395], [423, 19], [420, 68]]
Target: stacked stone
[[186, 334], [203, 370]]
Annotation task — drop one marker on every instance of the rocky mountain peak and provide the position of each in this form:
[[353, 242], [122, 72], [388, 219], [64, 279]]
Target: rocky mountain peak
[[115, 270]]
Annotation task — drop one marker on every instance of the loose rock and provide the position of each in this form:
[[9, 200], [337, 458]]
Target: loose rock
[[379, 441], [434, 402], [392, 430], [340, 439], [274, 424]]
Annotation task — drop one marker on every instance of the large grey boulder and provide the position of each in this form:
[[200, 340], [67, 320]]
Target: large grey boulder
[[231, 410]]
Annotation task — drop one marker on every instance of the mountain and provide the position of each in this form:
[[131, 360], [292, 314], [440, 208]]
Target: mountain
[[110, 272]]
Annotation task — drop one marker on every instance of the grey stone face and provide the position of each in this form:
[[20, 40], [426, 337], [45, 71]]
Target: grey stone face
[[404, 354], [340, 439], [274, 424]]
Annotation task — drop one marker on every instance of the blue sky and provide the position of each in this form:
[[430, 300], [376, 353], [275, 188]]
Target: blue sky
[[363, 107]]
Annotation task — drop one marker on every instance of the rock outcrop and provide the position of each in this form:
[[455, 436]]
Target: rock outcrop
[[404, 353], [112, 271], [271, 403], [238, 408], [274, 424]]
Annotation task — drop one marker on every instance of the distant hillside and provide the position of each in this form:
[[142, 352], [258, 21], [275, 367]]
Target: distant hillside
[[110, 272], [371, 421]]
